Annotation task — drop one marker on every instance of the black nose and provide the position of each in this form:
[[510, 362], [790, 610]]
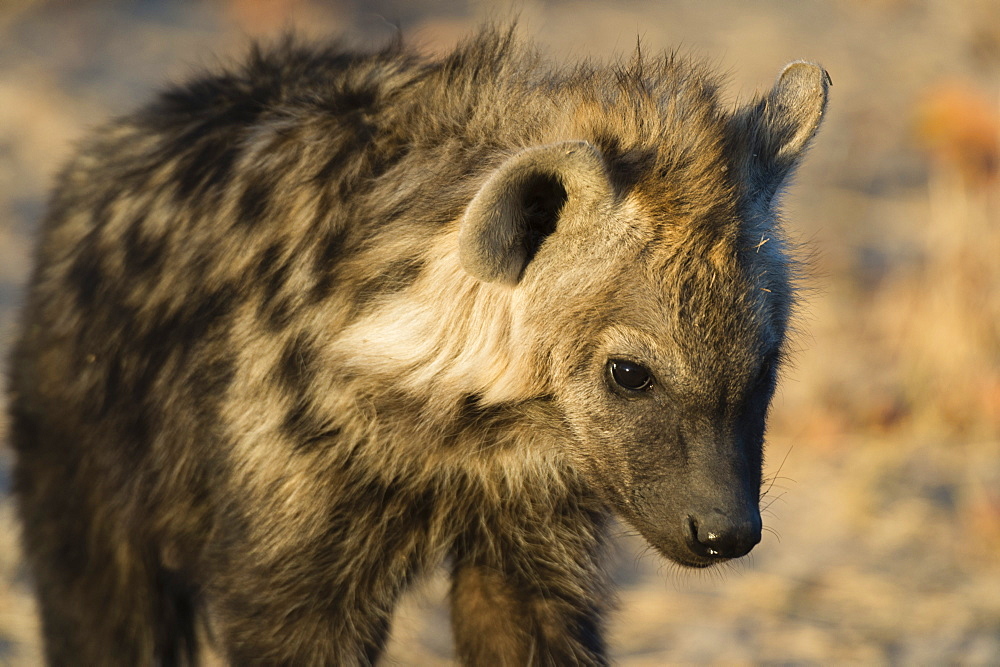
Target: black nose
[[717, 535]]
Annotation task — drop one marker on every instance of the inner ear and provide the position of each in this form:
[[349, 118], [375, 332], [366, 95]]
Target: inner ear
[[521, 203], [770, 135], [542, 201]]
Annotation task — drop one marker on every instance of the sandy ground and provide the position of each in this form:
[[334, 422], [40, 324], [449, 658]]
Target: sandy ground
[[883, 540]]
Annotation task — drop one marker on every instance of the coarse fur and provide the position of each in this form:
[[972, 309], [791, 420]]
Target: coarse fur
[[302, 330]]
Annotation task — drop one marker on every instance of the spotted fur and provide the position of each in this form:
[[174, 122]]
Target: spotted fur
[[304, 329]]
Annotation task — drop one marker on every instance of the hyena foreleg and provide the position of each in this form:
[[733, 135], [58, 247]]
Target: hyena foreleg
[[528, 590]]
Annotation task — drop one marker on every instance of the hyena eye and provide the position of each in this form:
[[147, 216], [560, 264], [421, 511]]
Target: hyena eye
[[630, 375]]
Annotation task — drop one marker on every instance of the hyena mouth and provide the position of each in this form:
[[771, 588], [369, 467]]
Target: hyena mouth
[[701, 543]]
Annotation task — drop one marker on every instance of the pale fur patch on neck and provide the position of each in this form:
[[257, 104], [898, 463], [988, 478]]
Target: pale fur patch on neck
[[448, 335]]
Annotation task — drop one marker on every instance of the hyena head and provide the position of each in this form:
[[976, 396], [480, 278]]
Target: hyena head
[[652, 294]]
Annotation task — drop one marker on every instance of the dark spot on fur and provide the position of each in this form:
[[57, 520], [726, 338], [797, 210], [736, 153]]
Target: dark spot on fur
[[305, 429], [349, 99], [253, 204], [296, 367], [209, 382], [268, 260], [122, 401], [176, 335], [203, 124], [318, 438], [341, 166], [271, 273], [473, 414], [138, 426], [206, 313], [102, 209], [167, 342], [86, 275], [609, 145], [279, 314], [207, 166], [328, 251], [394, 278], [296, 371], [144, 254], [275, 281], [381, 161], [473, 410], [113, 386], [218, 101], [626, 166], [680, 202], [323, 287]]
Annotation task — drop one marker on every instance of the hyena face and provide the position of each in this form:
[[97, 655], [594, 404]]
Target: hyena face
[[660, 324], [678, 392]]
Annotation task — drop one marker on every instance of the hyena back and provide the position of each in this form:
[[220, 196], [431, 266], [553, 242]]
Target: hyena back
[[300, 331]]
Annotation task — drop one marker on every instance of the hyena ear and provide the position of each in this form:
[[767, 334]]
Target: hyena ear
[[772, 133], [520, 204]]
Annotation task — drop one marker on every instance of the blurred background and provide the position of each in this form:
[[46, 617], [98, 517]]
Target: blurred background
[[883, 519]]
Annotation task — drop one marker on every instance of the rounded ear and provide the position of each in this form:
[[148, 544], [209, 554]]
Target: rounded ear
[[772, 133], [795, 107], [520, 205]]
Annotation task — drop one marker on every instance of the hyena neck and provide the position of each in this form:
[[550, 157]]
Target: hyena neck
[[449, 336]]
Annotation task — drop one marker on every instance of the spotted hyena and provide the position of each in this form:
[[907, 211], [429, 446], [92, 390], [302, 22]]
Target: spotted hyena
[[302, 330]]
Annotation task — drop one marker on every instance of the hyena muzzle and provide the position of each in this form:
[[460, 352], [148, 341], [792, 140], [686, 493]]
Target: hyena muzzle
[[303, 329]]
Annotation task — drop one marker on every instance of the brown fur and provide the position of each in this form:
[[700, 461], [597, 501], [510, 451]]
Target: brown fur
[[303, 330]]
